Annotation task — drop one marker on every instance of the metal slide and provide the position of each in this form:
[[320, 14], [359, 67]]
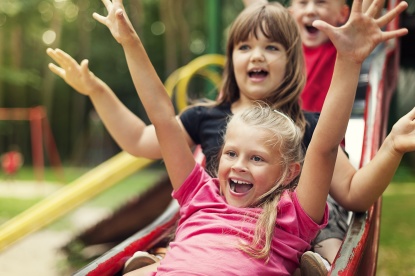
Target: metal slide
[[359, 251]]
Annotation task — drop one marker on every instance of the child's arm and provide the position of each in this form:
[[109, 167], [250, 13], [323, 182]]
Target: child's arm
[[354, 41], [126, 128], [174, 147], [371, 181]]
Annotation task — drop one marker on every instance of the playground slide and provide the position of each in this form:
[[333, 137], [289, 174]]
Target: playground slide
[[359, 251], [74, 194]]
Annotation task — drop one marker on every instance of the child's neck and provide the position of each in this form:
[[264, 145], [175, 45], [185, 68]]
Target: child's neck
[[241, 105]]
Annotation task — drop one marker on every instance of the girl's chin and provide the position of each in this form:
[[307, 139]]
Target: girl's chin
[[236, 200]]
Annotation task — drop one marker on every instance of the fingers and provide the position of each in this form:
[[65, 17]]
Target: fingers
[[99, 18], [57, 70], [374, 8], [53, 53], [385, 19], [357, 6], [122, 19], [107, 4], [63, 59], [393, 34], [65, 62], [322, 26], [84, 66]]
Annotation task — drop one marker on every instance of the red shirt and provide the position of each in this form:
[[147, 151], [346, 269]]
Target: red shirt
[[319, 67]]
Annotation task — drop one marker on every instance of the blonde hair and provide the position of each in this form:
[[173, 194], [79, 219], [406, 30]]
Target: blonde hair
[[286, 138], [277, 24]]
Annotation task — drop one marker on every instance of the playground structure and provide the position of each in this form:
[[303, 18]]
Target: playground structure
[[358, 254], [41, 136], [103, 176]]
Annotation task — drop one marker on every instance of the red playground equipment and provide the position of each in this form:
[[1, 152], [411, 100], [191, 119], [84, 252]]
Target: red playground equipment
[[41, 135], [11, 162]]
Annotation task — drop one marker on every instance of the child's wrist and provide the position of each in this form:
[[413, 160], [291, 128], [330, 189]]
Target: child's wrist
[[389, 143], [133, 41]]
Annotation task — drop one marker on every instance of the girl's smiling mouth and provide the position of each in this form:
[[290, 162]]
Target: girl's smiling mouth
[[239, 186], [257, 73]]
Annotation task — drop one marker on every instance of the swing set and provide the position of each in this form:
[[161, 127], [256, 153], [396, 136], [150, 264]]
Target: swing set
[[40, 135]]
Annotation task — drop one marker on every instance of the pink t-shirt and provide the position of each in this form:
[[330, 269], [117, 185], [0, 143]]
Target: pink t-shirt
[[209, 232], [319, 66]]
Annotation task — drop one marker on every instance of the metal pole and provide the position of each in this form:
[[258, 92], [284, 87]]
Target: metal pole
[[214, 23]]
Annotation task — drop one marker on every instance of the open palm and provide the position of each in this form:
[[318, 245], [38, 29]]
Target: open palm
[[76, 75], [356, 39]]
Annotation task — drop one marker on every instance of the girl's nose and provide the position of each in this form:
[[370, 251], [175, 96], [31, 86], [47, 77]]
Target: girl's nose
[[310, 8], [257, 55], [239, 165]]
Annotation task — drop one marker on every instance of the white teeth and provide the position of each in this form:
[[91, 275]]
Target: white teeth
[[240, 182]]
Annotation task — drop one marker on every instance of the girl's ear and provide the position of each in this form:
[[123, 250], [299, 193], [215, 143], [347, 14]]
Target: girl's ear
[[294, 170]]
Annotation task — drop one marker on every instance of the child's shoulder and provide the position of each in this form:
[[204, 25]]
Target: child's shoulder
[[207, 108]]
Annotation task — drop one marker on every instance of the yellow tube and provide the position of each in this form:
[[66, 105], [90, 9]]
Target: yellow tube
[[72, 195]]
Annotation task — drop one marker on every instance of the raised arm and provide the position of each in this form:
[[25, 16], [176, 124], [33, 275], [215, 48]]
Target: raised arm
[[125, 127], [369, 182], [174, 147], [354, 41]]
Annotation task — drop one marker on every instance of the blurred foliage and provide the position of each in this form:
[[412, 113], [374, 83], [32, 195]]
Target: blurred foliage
[[173, 32]]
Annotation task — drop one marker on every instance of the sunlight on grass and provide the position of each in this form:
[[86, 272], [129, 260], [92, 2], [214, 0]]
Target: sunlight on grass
[[109, 199], [9, 207]]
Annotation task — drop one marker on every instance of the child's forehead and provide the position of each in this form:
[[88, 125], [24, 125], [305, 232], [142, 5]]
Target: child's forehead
[[237, 124], [262, 30]]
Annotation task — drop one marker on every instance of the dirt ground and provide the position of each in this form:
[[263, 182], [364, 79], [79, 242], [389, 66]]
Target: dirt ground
[[39, 254]]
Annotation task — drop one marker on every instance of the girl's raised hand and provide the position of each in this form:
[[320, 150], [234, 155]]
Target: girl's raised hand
[[356, 39], [116, 21], [403, 133], [76, 75]]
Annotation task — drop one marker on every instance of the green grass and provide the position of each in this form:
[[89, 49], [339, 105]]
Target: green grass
[[397, 235], [10, 207], [51, 174], [111, 199], [397, 228]]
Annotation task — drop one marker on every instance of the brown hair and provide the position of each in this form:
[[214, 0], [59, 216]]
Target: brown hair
[[276, 23]]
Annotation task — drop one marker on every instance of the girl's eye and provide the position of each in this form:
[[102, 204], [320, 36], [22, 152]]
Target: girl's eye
[[231, 153], [257, 158], [243, 47], [272, 48]]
